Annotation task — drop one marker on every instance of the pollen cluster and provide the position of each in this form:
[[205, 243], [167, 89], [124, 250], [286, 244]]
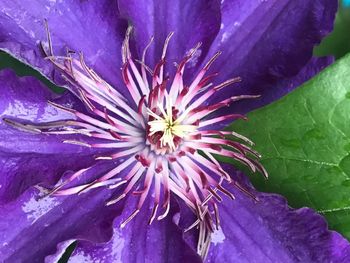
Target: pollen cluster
[[169, 126]]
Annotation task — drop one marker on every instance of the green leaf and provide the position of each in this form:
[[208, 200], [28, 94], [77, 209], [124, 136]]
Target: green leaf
[[305, 142], [6, 61], [66, 255]]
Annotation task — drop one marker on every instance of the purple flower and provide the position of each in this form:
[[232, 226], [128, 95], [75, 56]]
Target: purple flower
[[124, 161]]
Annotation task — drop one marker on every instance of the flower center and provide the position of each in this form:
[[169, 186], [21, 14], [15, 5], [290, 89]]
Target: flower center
[[166, 130]]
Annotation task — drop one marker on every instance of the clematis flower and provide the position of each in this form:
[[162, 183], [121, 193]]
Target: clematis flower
[[125, 160]]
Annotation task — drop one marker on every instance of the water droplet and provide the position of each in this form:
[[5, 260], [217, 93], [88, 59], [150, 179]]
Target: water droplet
[[218, 236]]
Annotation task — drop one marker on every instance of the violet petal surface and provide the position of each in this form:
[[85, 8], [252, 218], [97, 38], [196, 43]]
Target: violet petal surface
[[30, 158], [192, 22], [90, 27], [139, 242], [54, 219], [265, 42]]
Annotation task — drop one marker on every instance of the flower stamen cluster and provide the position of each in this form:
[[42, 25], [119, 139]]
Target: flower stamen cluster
[[162, 136]]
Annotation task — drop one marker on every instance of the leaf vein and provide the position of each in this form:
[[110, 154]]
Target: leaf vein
[[302, 160]]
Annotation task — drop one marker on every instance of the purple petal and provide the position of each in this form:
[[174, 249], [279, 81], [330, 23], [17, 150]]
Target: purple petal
[[281, 88], [191, 21], [19, 172], [91, 27], [270, 231], [27, 99], [264, 42], [161, 241], [27, 158], [284, 86], [41, 224]]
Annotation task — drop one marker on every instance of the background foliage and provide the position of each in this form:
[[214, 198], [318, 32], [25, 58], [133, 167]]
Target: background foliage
[[304, 139]]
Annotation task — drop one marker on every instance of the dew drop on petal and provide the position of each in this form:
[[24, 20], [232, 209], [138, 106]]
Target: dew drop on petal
[[34, 209], [217, 236]]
